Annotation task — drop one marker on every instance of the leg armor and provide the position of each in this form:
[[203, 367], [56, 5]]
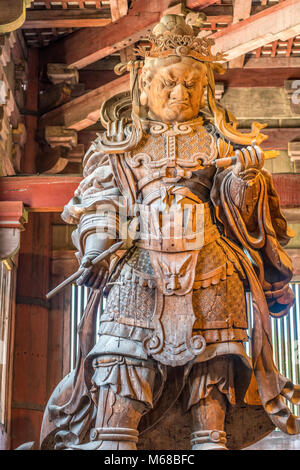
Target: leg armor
[[211, 387], [123, 389]]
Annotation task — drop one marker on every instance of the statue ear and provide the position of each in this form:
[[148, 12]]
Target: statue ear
[[143, 94], [143, 98]]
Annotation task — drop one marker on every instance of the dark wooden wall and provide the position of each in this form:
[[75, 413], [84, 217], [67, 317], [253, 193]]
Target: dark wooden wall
[[41, 328]]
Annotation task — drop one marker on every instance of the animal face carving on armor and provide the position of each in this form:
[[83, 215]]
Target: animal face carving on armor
[[173, 88]]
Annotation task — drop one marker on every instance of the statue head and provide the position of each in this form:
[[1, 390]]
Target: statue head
[[174, 76], [176, 70], [173, 88]]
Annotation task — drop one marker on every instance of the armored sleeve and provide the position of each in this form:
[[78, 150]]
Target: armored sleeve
[[96, 204]]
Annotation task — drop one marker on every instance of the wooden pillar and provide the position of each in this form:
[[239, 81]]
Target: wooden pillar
[[28, 163], [29, 392], [42, 329], [13, 216]]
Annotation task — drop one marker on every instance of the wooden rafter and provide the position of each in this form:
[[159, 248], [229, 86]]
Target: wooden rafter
[[36, 19], [289, 47], [274, 48], [281, 21], [84, 111], [241, 11], [91, 44], [51, 4], [258, 52]]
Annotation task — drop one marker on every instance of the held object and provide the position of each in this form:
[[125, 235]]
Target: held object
[[78, 273]]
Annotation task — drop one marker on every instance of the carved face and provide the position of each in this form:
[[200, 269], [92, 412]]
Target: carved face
[[174, 91]]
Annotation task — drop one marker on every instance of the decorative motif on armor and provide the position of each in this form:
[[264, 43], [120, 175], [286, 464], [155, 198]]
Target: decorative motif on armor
[[171, 342], [179, 147]]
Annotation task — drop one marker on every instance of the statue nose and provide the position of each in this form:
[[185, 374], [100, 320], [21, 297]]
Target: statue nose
[[179, 93]]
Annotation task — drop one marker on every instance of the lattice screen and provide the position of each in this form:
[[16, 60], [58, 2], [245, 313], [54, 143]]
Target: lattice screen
[[285, 333]]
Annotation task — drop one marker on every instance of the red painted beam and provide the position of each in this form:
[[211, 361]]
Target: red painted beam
[[51, 193], [39, 193]]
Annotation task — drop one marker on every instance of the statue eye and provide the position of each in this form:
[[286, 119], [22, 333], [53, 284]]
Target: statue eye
[[189, 84], [169, 83]]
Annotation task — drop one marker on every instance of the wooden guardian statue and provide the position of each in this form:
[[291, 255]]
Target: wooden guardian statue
[[200, 221]]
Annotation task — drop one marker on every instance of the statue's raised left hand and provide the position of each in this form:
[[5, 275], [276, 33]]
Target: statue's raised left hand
[[247, 159]]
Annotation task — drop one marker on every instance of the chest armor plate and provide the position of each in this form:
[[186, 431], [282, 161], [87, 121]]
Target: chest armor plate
[[171, 152]]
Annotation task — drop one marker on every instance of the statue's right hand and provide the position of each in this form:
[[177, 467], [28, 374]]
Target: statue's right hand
[[93, 276]]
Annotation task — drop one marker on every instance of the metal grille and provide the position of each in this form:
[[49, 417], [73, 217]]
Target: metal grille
[[285, 333], [285, 339], [5, 317], [79, 300]]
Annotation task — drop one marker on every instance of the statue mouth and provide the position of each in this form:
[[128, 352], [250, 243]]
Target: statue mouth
[[179, 103]]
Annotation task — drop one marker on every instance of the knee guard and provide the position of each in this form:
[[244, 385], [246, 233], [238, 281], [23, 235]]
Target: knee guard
[[114, 438], [208, 440]]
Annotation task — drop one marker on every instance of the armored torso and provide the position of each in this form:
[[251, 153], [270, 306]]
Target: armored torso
[[179, 284], [168, 154]]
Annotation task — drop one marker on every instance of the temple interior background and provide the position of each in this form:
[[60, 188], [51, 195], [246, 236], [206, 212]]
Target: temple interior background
[[57, 62]]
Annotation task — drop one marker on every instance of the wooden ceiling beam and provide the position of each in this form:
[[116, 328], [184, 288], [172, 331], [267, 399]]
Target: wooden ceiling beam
[[281, 21], [88, 45], [89, 18], [84, 111], [272, 62], [241, 11], [246, 77], [85, 18]]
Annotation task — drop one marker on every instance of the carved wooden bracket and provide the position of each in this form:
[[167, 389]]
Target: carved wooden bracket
[[13, 216], [61, 73], [59, 136], [13, 14], [64, 149], [65, 156]]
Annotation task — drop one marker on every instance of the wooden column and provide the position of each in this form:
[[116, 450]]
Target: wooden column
[[29, 393], [13, 216], [28, 164]]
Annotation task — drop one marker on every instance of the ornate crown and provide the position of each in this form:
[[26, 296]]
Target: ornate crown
[[172, 36]]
